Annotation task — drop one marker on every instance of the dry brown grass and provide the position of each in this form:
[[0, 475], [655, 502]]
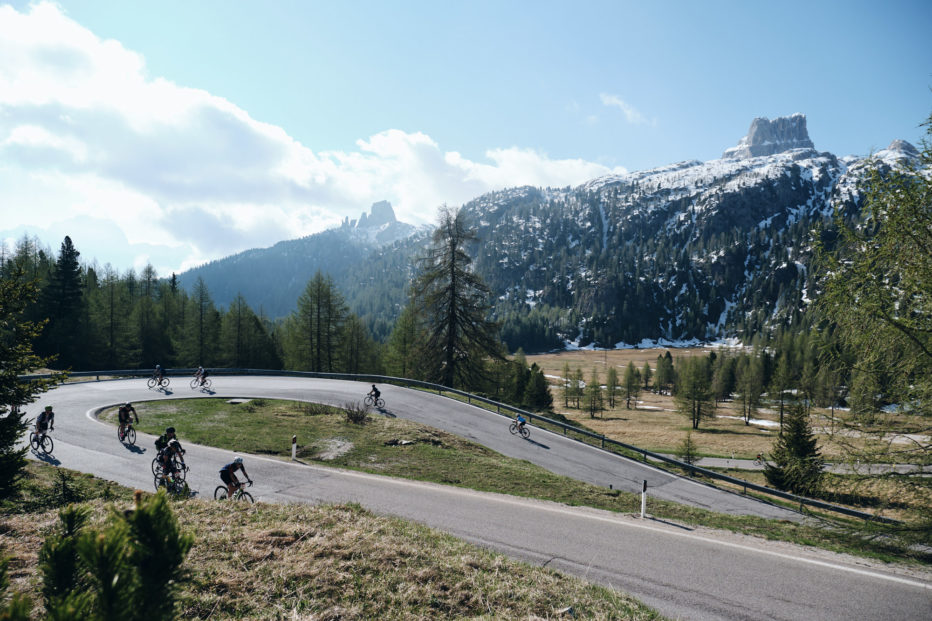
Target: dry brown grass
[[340, 562], [655, 425]]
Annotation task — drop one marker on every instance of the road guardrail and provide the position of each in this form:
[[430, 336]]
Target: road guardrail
[[599, 441]]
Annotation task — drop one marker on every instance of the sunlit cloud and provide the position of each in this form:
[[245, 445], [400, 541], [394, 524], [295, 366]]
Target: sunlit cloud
[[182, 176], [632, 115]]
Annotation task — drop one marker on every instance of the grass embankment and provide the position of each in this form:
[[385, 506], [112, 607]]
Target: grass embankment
[[322, 562], [402, 448]]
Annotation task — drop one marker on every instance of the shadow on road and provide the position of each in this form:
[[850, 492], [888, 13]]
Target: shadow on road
[[49, 459], [132, 448], [653, 519], [543, 446]]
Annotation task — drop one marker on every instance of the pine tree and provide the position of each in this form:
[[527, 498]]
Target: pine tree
[[594, 394], [567, 385], [693, 390], [611, 385], [578, 385], [63, 303], [404, 346], [537, 394], [796, 462], [318, 326], [632, 385], [16, 358], [454, 304], [646, 375]]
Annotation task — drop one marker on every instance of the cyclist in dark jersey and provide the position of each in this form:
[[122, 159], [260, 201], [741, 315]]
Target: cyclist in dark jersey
[[228, 475], [124, 416]]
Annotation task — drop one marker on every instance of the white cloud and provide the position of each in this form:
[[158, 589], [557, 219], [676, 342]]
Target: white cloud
[[182, 176], [632, 115]]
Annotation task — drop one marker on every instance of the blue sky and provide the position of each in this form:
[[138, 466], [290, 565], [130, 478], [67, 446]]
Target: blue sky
[[177, 132]]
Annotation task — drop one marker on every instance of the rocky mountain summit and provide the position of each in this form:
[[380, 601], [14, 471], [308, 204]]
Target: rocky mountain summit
[[766, 137], [379, 227], [689, 251]]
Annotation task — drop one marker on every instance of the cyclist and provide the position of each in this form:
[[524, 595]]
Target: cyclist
[[166, 459], [45, 421], [520, 422], [123, 415], [374, 393], [163, 440], [202, 374], [228, 475], [158, 374]]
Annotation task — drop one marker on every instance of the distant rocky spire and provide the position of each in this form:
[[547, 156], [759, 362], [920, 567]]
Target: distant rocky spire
[[766, 137], [380, 213]]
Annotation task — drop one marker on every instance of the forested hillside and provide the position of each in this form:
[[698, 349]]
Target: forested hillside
[[690, 251]]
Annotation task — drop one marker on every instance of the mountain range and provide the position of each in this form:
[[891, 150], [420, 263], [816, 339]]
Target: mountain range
[[690, 251]]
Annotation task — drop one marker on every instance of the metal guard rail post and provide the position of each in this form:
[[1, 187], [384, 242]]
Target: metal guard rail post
[[385, 379]]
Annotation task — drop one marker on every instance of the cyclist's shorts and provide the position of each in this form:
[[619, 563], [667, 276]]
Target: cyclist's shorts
[[226, 477]]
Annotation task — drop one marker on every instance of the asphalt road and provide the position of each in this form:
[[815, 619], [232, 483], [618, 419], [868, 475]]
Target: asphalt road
[[682, 572]]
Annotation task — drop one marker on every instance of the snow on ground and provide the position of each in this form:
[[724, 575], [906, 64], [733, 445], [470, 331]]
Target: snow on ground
[[756, 421]]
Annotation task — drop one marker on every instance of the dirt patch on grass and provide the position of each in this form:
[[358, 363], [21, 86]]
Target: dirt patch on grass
[[333, 448]]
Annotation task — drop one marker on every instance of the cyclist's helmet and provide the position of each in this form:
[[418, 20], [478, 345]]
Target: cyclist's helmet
[[48, 408], [170, 430], [128, 404], [238, 460], [174, 443]]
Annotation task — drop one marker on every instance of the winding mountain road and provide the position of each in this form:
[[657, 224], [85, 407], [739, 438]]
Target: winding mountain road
[[683, 572]]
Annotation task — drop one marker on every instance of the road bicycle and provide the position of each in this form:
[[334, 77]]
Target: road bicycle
[[521, 430], [196, 383], [370, 401], [161, 383], [128, 435], [41, 443], [173, 485], [759, 460], [240, 494], [181, 468]]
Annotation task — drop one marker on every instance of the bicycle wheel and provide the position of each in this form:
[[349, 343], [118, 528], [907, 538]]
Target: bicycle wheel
[[130, 436], [34, 441], [246, 496], [47, 444], [380, 403], [513, 429], [151, 383], [165, 382], [206, 385], [156, 469], [220, 493], [180, 470], [368, 400], [194, 383], [158, 481], [525, 433]]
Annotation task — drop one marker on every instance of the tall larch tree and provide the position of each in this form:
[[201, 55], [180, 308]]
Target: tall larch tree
[[453, 302]]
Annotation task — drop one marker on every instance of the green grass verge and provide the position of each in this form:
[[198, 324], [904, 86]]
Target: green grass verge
[[317, 562], [402, 448]]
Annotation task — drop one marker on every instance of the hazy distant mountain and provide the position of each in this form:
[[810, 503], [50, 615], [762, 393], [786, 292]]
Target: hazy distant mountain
[[272, 279], [690, 250]]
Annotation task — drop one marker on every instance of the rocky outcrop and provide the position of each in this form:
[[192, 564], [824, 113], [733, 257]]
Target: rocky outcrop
[[766, 137]]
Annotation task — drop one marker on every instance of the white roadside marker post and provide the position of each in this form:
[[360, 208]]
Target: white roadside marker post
[[644, 499], [294, 447]]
